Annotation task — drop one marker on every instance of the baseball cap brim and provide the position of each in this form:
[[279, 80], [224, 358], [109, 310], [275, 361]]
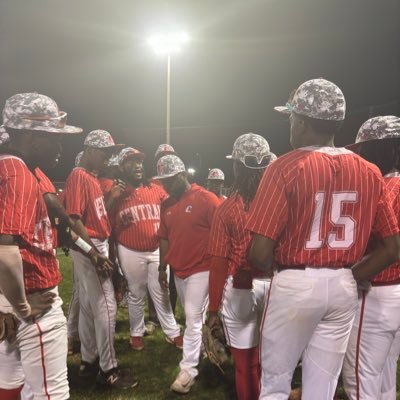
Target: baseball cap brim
[[161, 177], [66, 130], [282, 110]]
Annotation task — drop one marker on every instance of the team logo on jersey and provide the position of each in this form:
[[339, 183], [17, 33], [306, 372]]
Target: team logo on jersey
[[142, 212], [100, 207], [188, 209]]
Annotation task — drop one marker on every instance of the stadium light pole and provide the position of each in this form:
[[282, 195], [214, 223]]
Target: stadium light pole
[[166, 45]]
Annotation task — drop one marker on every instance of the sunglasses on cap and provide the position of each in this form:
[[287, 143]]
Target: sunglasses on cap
[[253, 162]]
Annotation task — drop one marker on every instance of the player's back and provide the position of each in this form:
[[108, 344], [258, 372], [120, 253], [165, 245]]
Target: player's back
[[332, 197]]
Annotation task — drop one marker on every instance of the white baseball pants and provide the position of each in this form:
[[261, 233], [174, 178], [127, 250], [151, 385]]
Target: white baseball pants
[[97, 313], [39, 355], [193, 294], [309, 314], [141, 271], [242, 312], [369, 368], [73, 310]]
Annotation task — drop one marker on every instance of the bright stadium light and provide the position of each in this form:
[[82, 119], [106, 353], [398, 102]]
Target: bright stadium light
[[168, 44], [191, 171]]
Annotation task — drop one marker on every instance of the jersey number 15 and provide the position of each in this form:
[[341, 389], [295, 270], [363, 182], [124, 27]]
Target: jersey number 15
[[315, 241]]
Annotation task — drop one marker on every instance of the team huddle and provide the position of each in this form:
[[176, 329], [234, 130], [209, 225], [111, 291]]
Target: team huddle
[[299, 264]]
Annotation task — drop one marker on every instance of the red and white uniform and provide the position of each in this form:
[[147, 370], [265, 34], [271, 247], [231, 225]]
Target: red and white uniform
[[370, 364], [83, 197], [137, 219], [242, 302], [39, 354], [46, 186], [186, 224], [320, 205]]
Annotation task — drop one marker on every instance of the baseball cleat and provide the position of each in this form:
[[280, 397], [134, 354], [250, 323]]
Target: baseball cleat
[[176, 341], [136, 343], [88, 370], [183, 382], [116, 379]]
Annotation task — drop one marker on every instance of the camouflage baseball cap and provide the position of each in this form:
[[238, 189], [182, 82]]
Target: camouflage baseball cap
[[216, 174], [252, 150], [36, 112], [168, 166], [4, 136], [129, 152], [319, 99], [382, 127], [164, 148], [113, 161], [101, 139], [78, 158]]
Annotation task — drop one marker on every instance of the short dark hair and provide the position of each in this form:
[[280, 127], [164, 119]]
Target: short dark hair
[[385, 154], [322, 126]]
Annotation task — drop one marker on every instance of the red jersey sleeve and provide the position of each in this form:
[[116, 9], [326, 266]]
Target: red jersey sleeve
[[163, 229], [385, 223], [268, 212], [74, 196], [212, 203], [219, 240], [18, 199], [45, 183]]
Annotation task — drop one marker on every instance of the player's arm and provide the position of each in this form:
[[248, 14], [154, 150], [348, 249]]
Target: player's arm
[[12, 281], [216, 280], [387, 253], [114, 194], [162, 268], [261, 252], [101, 262]]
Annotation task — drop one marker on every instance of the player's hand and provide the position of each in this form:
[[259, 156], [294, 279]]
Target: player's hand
[[213, 319], [8, 327], [117, 189], [40, 303], [163, 279], [103, 265]]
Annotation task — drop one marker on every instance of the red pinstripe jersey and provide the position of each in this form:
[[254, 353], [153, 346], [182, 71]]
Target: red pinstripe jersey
[[24, 214], [83, 197], [46, 186], [186, 224], [137, 217], [320, 205], [228, 237], [392, 273]]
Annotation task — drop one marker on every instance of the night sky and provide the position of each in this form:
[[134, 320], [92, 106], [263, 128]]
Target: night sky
[[244, 57]]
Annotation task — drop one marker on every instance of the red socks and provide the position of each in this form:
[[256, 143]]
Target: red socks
[[11, 394], [247, 373]]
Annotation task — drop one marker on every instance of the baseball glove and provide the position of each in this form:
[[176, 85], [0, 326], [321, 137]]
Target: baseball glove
[[215, 344], [8, 327], [120, 286]]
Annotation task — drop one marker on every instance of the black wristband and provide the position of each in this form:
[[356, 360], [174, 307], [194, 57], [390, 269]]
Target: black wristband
[[162, 268]]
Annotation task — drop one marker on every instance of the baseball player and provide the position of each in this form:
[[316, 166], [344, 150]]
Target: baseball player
[[233, 285], [215, 183], [73, 308], [185, 224], [84, 202], [370, 363], [163, 150], [137, 219], [313, 214], [37, 353]]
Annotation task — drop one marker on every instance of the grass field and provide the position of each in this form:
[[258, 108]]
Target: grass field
[[156, 366]]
